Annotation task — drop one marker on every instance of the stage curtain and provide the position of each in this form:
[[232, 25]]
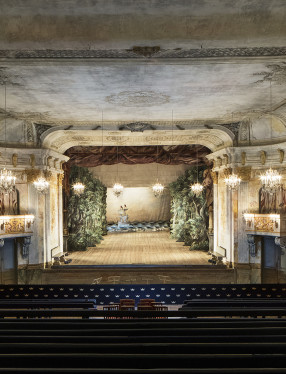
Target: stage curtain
[[167, 155]]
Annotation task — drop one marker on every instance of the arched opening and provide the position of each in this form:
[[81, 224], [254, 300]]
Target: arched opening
[[178, 217]]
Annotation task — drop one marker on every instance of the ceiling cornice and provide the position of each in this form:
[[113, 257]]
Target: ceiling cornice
[[136, 53]]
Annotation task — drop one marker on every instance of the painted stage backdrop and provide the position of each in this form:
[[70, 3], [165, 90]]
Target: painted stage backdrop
[[87, 212], [142, 205], [189, 221]]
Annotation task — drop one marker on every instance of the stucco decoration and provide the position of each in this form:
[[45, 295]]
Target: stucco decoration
[[61, 140], [281, 155], [148, 52], [244, 132], [243, 158], [40, 129], [244, 173], [138, 98], [137, 127], [266, 129], [263, 156]]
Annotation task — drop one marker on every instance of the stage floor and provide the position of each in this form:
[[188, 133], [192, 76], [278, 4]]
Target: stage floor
[[139, 248]]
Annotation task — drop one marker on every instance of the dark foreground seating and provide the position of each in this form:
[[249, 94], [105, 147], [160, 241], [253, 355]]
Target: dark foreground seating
[[174, 345]]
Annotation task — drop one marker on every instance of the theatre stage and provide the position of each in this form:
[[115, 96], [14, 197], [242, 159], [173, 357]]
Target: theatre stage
[[139, 248], [139, 258]]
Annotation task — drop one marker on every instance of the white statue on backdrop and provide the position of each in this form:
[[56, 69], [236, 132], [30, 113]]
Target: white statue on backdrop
[[125, 216], [121, 214]]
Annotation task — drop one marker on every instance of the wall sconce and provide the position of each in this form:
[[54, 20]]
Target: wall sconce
[[248, 216], [275, 220], [2, 242], [30, 219]]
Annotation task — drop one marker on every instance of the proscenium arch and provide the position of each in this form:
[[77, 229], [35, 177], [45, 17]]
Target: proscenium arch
[[60, 140]]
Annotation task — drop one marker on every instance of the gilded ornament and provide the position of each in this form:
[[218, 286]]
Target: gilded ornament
[[281, 155], [50, 161], [32, 174], [214, 175], [61, 164], [226, 173], [263, 157], [60, 179], [226, 159], [15, 159], [244, 173], [32, 160], [243, 158], [48, 175], [56, 160], [219, 161]]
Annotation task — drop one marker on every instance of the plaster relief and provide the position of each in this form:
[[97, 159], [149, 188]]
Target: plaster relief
[[138, 98], [243, 158], [281, 155], [263, 157]]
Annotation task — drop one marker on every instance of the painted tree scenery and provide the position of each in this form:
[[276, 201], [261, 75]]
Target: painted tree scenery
[[87, 212], [189, 221]]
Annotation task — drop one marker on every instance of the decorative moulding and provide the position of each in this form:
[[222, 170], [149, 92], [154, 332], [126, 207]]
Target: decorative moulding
[[263, 157], [144, 51]]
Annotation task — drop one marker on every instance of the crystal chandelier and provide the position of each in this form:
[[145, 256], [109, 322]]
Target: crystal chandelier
[[7, 181], [41, 185], [78, 188], [271, 181], [197, 187], [232, 182], [158, 188], [117, 187]]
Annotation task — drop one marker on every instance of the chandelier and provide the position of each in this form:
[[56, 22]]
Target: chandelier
[[232, 182], [7, 179], [197, 187], [271, 181], [41, 185], [158, 188], [78, 188], [117, 187]]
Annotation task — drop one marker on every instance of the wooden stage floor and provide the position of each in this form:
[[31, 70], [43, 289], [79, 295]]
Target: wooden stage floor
[[139, 248]]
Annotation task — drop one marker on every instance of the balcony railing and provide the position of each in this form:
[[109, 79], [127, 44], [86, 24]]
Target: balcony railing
[[265, 224]]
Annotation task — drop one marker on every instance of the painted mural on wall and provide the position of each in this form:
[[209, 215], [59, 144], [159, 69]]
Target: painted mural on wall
[[9, 203], [87, 212], [189, 221], [272, 203]]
